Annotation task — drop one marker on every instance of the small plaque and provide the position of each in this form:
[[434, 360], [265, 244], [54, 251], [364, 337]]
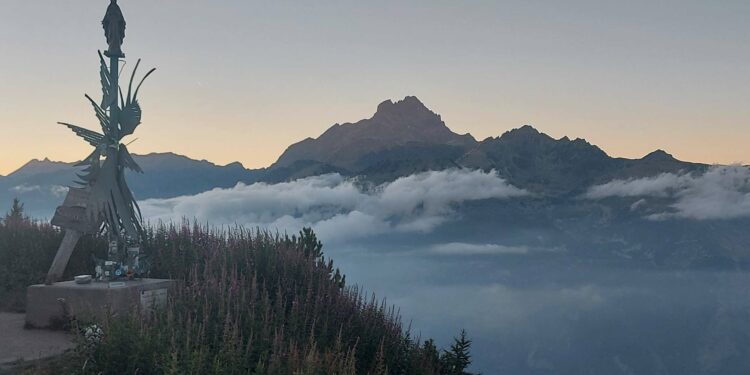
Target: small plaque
[[153, 299], [117, 284]]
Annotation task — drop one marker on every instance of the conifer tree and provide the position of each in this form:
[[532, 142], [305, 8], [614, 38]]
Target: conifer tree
[[457, 359], [15, 215], [310, 243], [338, 279], [431, 357]]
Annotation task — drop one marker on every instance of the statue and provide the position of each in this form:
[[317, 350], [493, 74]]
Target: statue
[[103, 203], [114, 29]]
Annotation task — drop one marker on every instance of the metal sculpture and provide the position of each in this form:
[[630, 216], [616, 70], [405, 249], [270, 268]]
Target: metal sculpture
[[103, 203]]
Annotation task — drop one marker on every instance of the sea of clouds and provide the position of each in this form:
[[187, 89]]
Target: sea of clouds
[[722, 192], [341, 209], [338, 208], [56, 190]]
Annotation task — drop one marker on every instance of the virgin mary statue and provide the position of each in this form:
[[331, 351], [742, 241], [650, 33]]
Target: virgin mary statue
[[114, 29]]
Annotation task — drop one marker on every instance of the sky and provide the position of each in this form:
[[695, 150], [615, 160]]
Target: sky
[[242, 80]]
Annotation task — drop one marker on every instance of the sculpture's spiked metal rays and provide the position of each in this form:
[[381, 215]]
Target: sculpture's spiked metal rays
[[130, 117], [108, 96], [110, 198]]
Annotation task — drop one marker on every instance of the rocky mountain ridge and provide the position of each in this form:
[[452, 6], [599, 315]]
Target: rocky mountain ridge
[[405, 137]]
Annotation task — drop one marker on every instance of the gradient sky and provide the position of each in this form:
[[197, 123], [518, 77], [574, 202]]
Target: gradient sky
[[240, 80]]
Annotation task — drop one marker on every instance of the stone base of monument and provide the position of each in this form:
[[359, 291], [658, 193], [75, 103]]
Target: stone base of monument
[[52, 306]]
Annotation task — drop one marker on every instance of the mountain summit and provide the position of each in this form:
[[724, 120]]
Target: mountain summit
[[394, 125]]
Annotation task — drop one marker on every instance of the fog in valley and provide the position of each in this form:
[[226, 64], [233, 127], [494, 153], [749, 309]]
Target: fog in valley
[[628, 277]]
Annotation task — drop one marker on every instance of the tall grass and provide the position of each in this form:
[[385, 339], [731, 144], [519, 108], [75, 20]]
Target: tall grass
[[27, 248], [255, 302], [245, 302]]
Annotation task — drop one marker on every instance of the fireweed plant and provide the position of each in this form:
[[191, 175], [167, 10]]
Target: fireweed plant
[[246, 301]]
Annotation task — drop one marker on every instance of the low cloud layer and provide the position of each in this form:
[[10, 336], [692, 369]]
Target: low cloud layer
[[722, 192], [336, 207], [56, 190], [460, 248]]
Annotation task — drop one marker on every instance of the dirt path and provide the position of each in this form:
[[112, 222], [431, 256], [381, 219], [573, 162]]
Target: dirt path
[[17, 343]]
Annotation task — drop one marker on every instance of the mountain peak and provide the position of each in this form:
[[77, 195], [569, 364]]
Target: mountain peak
[[659, 155], [525, 132], [34, 166], [394, 124], [526, 129], [410, 106]]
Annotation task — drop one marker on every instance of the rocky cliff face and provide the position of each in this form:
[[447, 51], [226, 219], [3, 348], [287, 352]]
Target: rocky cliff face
[[394, 125], [541, 163], [538, 162]]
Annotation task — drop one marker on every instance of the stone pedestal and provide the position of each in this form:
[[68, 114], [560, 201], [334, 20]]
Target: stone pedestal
[[48, 306]]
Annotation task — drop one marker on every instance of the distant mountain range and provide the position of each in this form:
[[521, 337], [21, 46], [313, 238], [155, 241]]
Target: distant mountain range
[[40, 184], [405, 137], [400, 139]]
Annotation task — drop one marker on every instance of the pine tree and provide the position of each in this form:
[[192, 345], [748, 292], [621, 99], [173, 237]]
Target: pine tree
[[457, 359], [310, 243], [339, 279], [15, 216], [431, 357]]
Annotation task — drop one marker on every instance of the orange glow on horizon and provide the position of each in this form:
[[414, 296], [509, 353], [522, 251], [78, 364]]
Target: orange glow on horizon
[[240, 81]]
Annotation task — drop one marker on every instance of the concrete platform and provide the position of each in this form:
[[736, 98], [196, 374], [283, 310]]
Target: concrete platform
[[19, 344], [51, 306]]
